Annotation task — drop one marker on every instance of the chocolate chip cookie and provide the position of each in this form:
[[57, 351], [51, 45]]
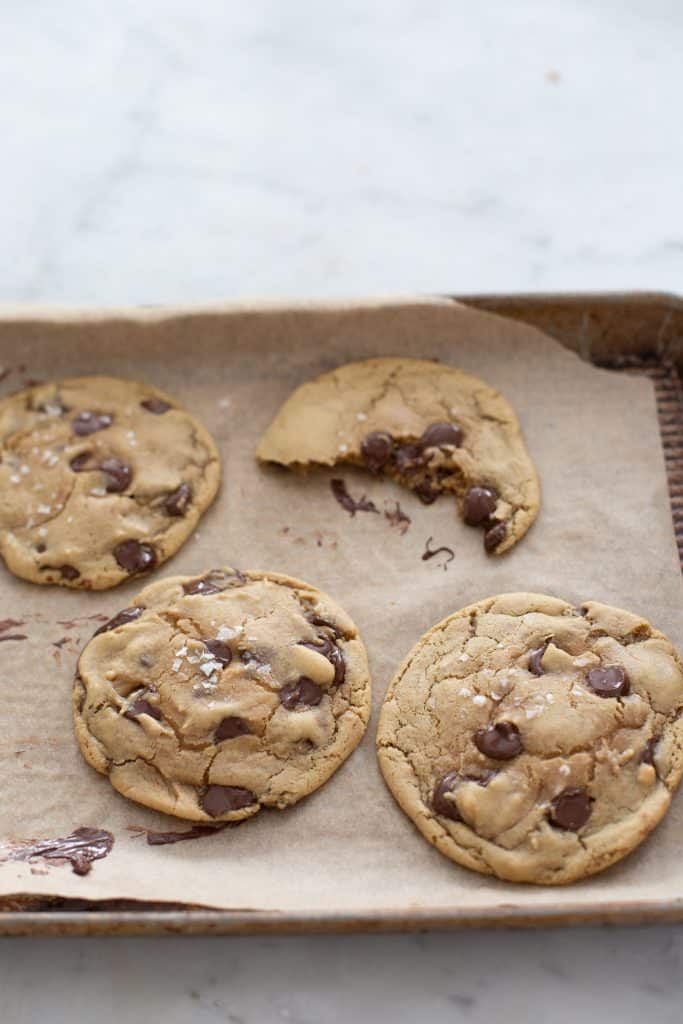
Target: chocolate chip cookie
[[214, 696], [428, 426], [535, 741], [101, 479]]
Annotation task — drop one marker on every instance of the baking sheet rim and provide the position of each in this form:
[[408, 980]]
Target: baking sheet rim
[[217, 922]]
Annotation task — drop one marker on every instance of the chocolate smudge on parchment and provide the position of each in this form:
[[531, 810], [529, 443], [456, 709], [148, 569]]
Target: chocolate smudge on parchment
[[349, 504], [6, 624], [433, 552], [397, 518], [167, 838], [79, 849], [72, 623]]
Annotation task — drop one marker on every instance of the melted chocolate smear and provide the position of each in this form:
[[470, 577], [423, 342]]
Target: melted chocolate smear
[[60, 643], [127, 615], [80, 848], [155, 405], [330, 651], [140, 706], [134, 557], [14, 636], [79, 463], [397, 519], [72, 623], [432, 552], [348, 503], [648, 755], [316, 620], [221, 799], [214, 582], [90, 422], [494, 536], [305, 692], [535, 663], [446, 808], [166, 838], [220, 650], [176, 503], [230, 728], [6, 624], [117, 475]]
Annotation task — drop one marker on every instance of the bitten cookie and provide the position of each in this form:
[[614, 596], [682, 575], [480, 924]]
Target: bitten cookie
[[101, 479], [217, 695], [430, 427], [535, 741]]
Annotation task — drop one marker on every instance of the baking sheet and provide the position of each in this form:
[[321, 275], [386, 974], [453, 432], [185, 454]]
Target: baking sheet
[[604, 533]]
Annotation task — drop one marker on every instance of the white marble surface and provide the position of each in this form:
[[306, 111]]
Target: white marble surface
[[164, 151]]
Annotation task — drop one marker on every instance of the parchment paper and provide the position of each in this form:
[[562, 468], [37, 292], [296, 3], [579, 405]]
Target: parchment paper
[[604, 533]]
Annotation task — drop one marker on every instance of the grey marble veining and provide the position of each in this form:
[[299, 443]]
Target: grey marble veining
[[165, 151], [162, 150], [551, 977]]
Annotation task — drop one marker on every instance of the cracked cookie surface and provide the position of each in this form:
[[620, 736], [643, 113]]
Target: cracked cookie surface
[[102, 479], [216, 695], [535, 741], [429, 426]]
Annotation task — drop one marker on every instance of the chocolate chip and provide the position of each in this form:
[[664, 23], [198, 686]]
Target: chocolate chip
[[127, 615], [214, 582], [438, 434], [230, 728], [140, 706], [220, 651], [408, 458], [175, 503], [426, 492], [133, 556], [304, 692], [571, 809], [376, 449], [79, 463], [216, 800], [117, 475], [648, 755], [41, 548], [446, 808], [90, 422], [479, 505], [494, 536], [155, 405], [500, 741], [535, 663], [329, 650], [68, 572], [611, 681]]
